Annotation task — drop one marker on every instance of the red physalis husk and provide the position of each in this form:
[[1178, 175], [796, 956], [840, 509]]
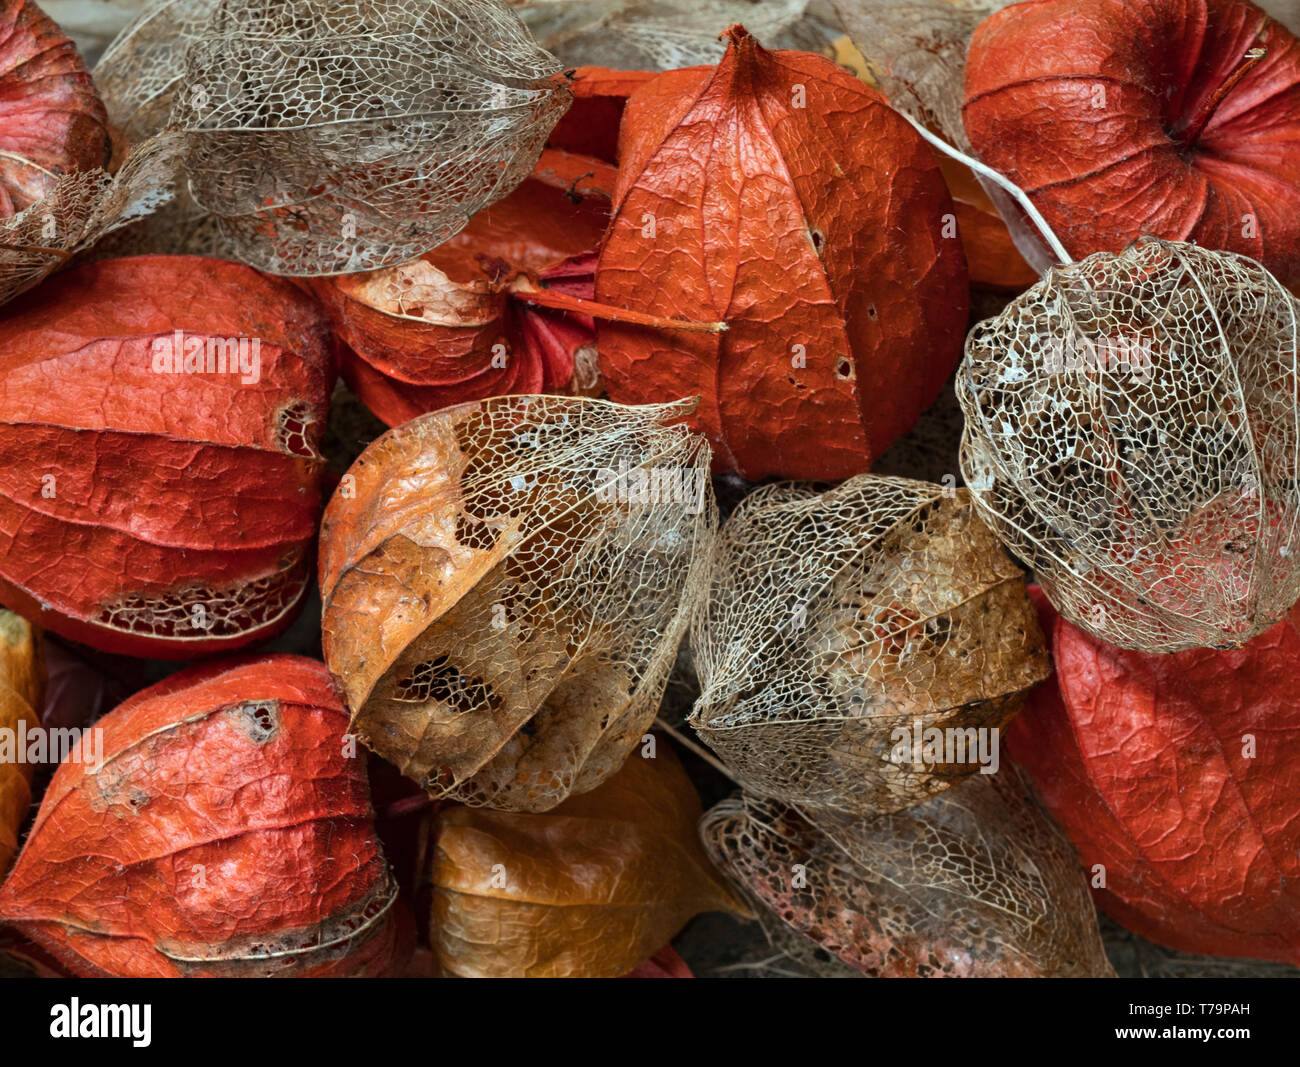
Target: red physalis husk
[[464, 322], [590, 126], [52, 121], [1177, 119], [226, 831], [1175, 777], [148, 510], [781, 196]]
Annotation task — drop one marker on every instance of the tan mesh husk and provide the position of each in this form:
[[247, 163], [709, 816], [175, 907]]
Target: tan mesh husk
[[834, 619], [655, 35], [974, 882], [500, 612], [80, 209], [299, 137], [1132, 434]]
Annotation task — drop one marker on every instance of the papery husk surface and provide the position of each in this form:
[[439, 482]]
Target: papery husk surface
[[499, 606], [1173, 776], [163, 510], [976, 882], [587, 890], [1133, 434], [835, 619], [779, 195], [218, 828]]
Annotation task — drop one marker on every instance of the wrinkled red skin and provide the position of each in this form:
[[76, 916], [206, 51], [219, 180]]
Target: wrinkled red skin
[[816, 233], [118, 482], [1103, 175], [52, 121], [1139, 758], [404, 365], [276, 821]]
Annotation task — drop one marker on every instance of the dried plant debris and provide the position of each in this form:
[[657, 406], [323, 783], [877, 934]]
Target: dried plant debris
[[976, 882], [506, 584], [1132, 431], [652, 34], [842, 627]]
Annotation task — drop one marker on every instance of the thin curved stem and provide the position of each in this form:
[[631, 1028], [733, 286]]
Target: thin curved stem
[[1000, 180]]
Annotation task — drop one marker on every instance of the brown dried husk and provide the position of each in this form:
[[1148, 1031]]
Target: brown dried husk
[[976, 882], [834, 619], [1132, 434], [502, 628], [298, 137], [585, 891]]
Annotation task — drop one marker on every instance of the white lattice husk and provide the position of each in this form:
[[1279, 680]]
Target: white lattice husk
[[1133, 434], [835, 619], [505, 597], [329, 138], [974, 882]]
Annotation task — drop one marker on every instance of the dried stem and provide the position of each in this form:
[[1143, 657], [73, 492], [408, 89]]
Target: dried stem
[[1018, 194], [524, 290], [696, 747]]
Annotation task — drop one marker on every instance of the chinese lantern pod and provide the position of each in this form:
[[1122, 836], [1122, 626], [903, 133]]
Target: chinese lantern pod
[[505, 585], [217, 824], [1132, 431], [1172, 776], [159, 469], [1174, 118], [782, 197], [328, 138], [453, 326], [52, 122], [974, 883], [837, 619], [587, 890]]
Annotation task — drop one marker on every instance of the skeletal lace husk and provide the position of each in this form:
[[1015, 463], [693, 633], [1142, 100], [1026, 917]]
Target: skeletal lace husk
[[299, 137], [1133, 433], [837, 619], [545, 554], [974, 882]]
